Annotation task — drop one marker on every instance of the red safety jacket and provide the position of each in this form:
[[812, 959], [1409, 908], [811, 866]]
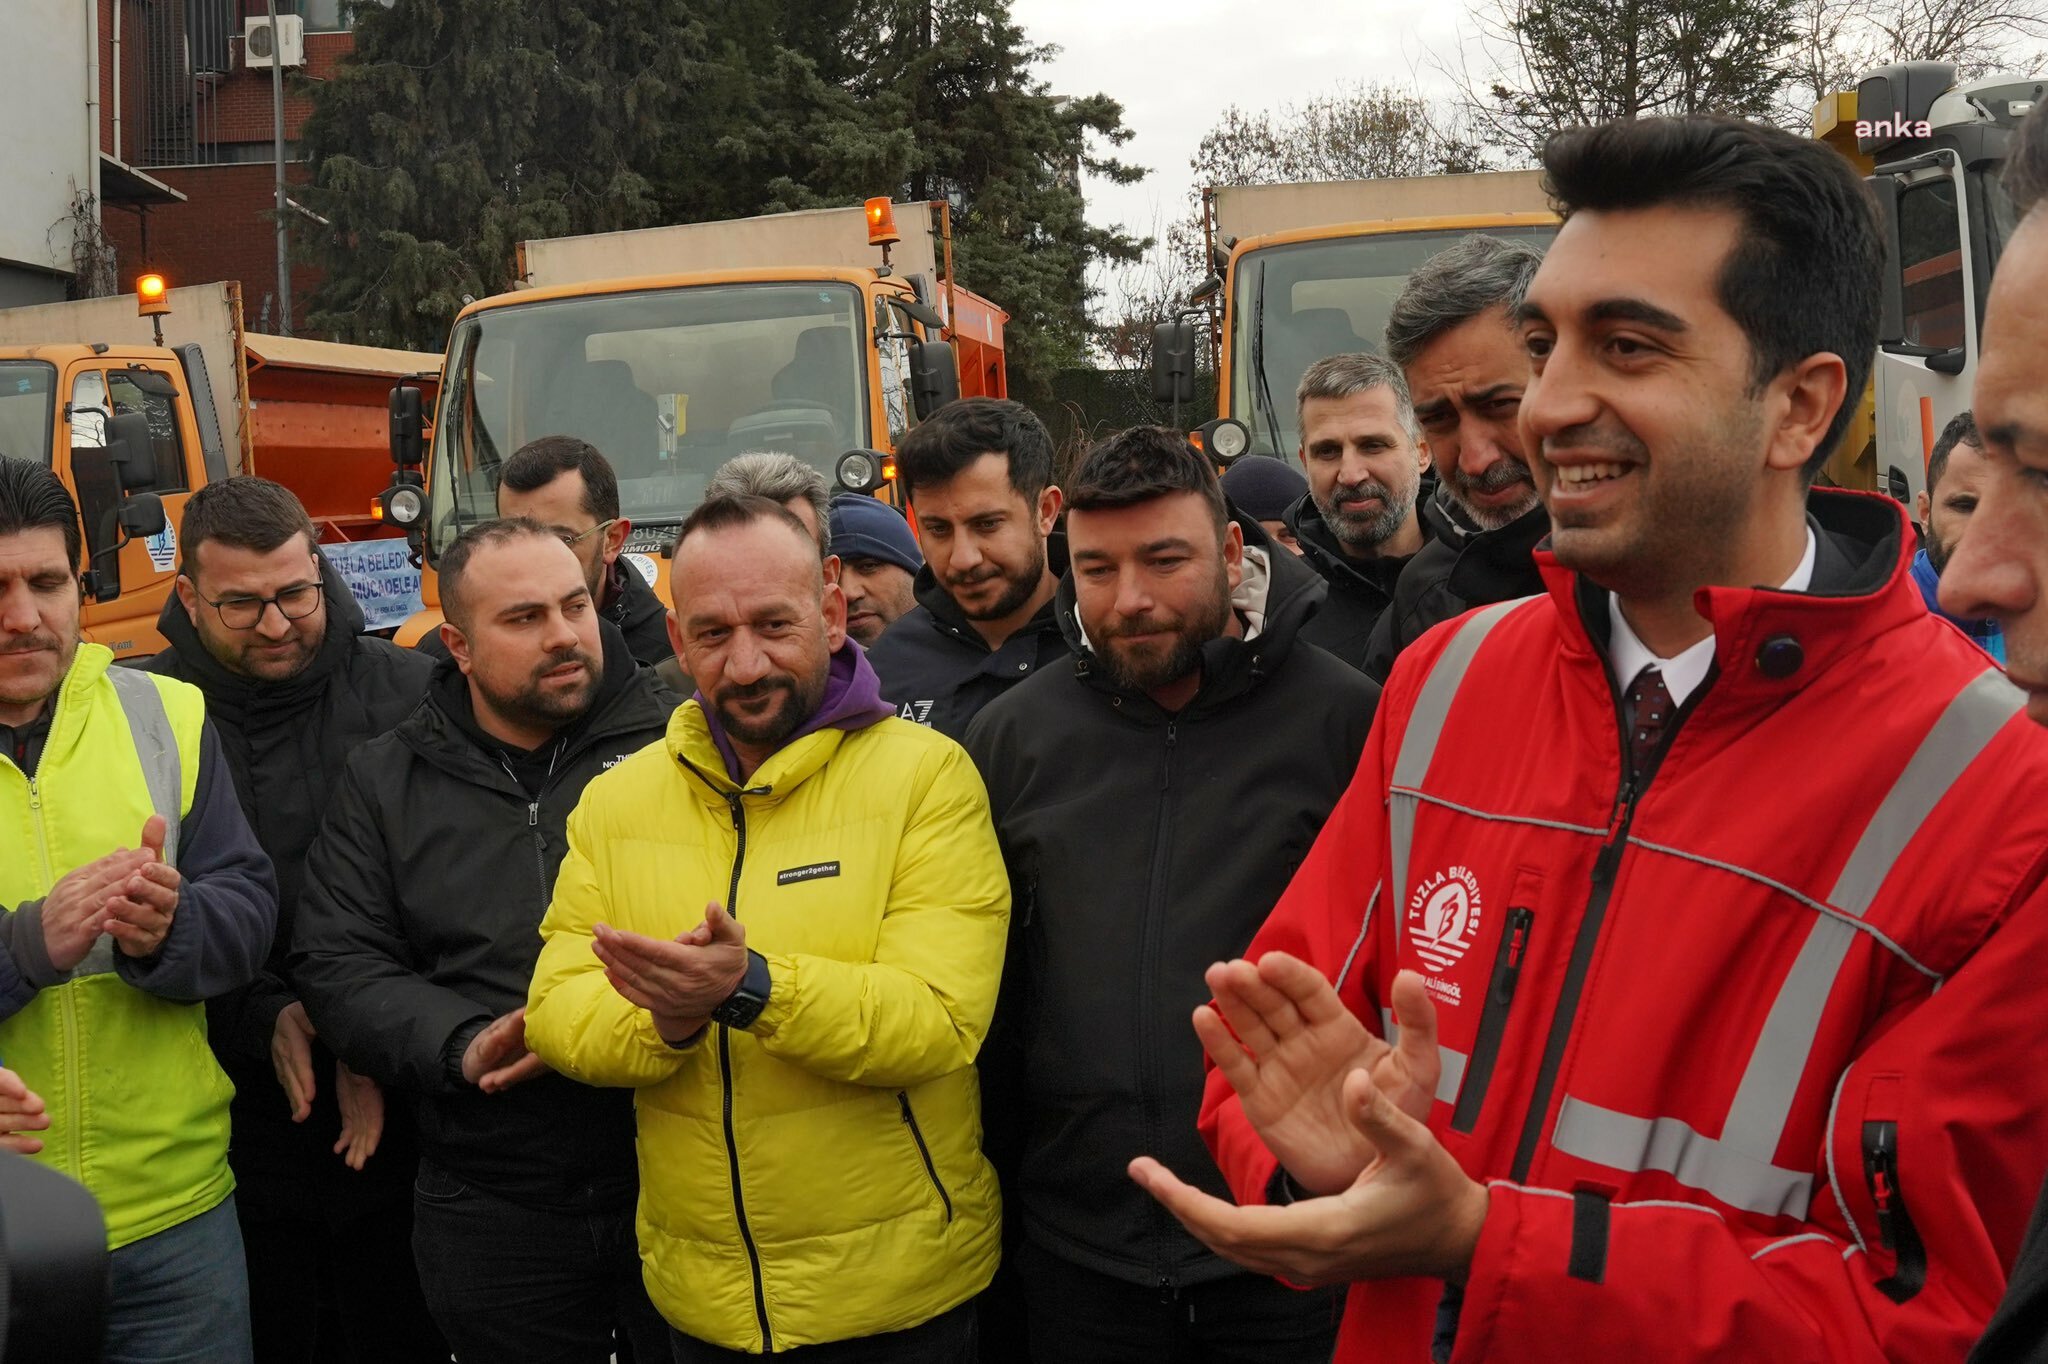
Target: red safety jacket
[[1747, 1050]]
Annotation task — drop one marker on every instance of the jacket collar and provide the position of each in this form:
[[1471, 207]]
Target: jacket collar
[[628, 600], [1769, 643], [1279, 595]]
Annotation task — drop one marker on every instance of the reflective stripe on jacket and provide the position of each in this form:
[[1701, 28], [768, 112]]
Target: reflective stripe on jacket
[[138, 1106], [819, 1176], [1746, 1047]]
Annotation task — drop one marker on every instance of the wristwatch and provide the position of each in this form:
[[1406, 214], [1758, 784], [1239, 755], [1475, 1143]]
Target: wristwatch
[[745, 1003]]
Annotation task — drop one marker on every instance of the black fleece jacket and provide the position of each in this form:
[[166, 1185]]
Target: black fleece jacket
[[421, 923], [1143, 846]]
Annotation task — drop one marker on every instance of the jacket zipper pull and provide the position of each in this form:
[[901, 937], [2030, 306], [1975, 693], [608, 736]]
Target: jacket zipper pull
[[532, 814], [1166, 768], [1895, 1228], [1519, 922]]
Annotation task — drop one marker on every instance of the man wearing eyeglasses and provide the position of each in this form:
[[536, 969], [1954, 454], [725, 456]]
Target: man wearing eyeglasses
[[268, 631]]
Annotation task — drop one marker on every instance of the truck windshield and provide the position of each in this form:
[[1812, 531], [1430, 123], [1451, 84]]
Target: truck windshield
[[668, 384], [1296, 304], [28, 406]]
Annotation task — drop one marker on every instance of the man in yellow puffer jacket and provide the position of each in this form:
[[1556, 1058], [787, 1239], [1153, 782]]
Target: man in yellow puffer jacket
[[812, 1182]]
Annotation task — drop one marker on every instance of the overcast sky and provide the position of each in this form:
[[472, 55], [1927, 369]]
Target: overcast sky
[[1175, 65]]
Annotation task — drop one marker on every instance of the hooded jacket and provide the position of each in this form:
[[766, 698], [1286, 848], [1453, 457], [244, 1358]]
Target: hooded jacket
[[1361, 590], [424, 894], [1988, 634], [1143, 846], [1457, 568], [629, 604], [1744, 1046], [938, 670], [817, 1176], [286, 744]]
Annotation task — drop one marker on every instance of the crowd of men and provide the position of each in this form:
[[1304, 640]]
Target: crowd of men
[[807, 970]]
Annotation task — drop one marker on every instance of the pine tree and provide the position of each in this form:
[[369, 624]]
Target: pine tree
[[461, 127]]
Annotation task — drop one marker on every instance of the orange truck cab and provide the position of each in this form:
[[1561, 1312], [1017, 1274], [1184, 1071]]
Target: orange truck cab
[[118, 424], [671, 375]]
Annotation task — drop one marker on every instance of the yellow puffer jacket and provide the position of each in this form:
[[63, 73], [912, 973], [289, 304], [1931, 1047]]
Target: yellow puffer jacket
[[819, 1176]]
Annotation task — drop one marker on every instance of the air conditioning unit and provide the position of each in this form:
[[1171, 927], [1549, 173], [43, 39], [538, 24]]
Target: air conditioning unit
[[262, 49]]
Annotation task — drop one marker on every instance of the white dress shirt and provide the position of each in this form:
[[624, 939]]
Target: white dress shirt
[[1627, 655]]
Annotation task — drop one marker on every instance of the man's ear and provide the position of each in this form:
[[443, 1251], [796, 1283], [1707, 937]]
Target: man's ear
[[1049, 503], [1921, 506], [1803, 403], [615, 538], [675, 632], [188, 595], [458, 645], [834, 606], [1233, 555]]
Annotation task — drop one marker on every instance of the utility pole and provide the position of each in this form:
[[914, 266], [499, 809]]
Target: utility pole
[[284, 268]]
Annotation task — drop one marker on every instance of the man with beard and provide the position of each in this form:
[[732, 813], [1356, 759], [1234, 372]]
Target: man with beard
[[1957, 469], [1652, 993], [1452, 331], [567, 486], [266, 628], [782, 927], [1152, 801], [978, 473], [417, 938], [1357, 526], [131, 891]]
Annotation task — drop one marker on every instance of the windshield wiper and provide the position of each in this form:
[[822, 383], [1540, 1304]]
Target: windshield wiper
[[1261, 390]]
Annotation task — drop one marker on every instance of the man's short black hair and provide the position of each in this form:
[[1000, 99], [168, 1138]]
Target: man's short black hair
[[964, 430], [244, 512], [1803, 275], [1140, 464], [540, 462], [729, 511], [2026, 164], [33, 498], [453, 564], [1961, 430]]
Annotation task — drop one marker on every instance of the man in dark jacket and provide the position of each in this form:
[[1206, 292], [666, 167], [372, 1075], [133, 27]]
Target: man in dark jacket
[[1452, 332], [978, 474], [266, 628], [1152, 801], [1357, 527], [417, 940], [567, 486]]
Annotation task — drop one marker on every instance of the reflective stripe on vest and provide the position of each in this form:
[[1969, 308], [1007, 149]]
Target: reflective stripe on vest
[[1622, 1141], [1419, 740], [156, 748], [1763, 1102]]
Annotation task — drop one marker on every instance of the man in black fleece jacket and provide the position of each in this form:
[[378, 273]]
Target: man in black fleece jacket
[[1153, 798], [418, 935], [292, 690]]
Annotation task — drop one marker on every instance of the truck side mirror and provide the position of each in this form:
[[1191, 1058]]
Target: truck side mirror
[[1173, 362], [132, 451], [1891, 323], [934, 376], [98, 486], [408, 427]]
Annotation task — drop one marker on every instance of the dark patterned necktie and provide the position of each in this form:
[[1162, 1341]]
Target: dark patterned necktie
[[1649, 709]]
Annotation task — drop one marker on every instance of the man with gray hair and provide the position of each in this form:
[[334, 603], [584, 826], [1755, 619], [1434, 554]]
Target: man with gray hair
[[1357, 526], [1453, 335], [779, 477]]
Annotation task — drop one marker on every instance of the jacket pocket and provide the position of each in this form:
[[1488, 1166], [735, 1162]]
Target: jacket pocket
[[924, 1153], [1885, 1183], [1493, 1019]]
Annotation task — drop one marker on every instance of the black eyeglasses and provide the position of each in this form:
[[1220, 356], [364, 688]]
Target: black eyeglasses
[[245, 613]]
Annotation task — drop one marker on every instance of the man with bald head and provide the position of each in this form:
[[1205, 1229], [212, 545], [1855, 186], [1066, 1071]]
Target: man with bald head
[[782, 927]]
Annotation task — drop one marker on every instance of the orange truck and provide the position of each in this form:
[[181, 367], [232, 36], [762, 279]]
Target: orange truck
[[1302, 271], [133, 424], [826, 334]]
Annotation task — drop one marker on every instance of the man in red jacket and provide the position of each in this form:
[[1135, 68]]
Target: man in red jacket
[[1684, 922]]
